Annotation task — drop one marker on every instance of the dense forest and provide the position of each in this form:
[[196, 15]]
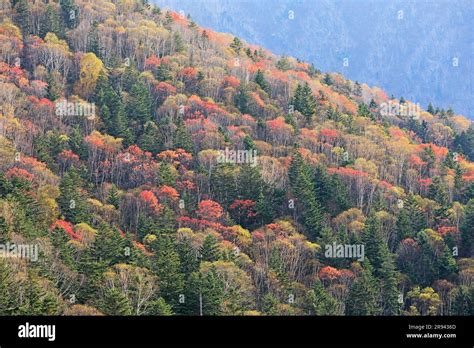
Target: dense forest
[[160, 168]]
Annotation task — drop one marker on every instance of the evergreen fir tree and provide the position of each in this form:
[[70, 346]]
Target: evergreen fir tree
[[188, 261], [112, 111], [372, 104], [468, 193], [4, 230], [60, 240], [163, 72], [376, 250], [108, 245], [113, 196], [320, 302], [178, 42], [291, 120], [375, 246], [236, 45], [434, 261], [458, 182], [149, 140], [430, 158], [303, 189], [467, 231], [51, 23], [304, 101], [53, 90], [328, 80], [270, 304], [166, 222], [168, 18], [76, 142], [364, 294], [322, 186], [249, 53], [389, 288], [249, 143], [264, 209], [166, 264], [106, 118], [312, 71], [160, 307], [115, 302], [438, 192], [410, 220], [283, 64], [130, 77], [139, 106], [146, 225], [166, 176], [130, 254], [69, 13], [93, 43], [9, 289], [431, 109], [261, 81], [447, 264], [463, 302], [22, 18], [241, 99], [205, 293], [181, 137], [223, 184], [250, 182], [465, 141], [38, 300], [71, 200], [210, 249]]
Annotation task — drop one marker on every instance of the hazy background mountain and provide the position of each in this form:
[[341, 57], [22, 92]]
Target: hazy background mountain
[[409, 48]]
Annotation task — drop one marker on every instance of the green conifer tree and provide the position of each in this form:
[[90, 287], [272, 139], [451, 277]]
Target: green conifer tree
[[304, 101], [181, 137], [210, 249], [321, 302], [139, 107], [69, 12], [51, 23], [113, 196], [22, 18], [467, 231], [166, 264], [9, 289], [93, 42], [261, 81], [303, 190], [364, 294], [71, 200], [115, 302]]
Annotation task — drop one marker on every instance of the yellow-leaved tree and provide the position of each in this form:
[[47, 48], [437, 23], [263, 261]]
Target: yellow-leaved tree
[[90, 68]]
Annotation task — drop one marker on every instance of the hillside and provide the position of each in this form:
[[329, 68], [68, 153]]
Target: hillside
[[149, 166]]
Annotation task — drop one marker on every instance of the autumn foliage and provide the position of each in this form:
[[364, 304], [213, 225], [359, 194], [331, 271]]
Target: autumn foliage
[[216, 168]]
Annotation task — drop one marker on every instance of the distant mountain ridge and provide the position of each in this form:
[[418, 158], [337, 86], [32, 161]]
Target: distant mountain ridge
[[421, 50]]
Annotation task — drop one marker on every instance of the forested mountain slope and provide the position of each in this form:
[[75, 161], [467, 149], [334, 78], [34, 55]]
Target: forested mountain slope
[[419, 49], [155, 165]]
